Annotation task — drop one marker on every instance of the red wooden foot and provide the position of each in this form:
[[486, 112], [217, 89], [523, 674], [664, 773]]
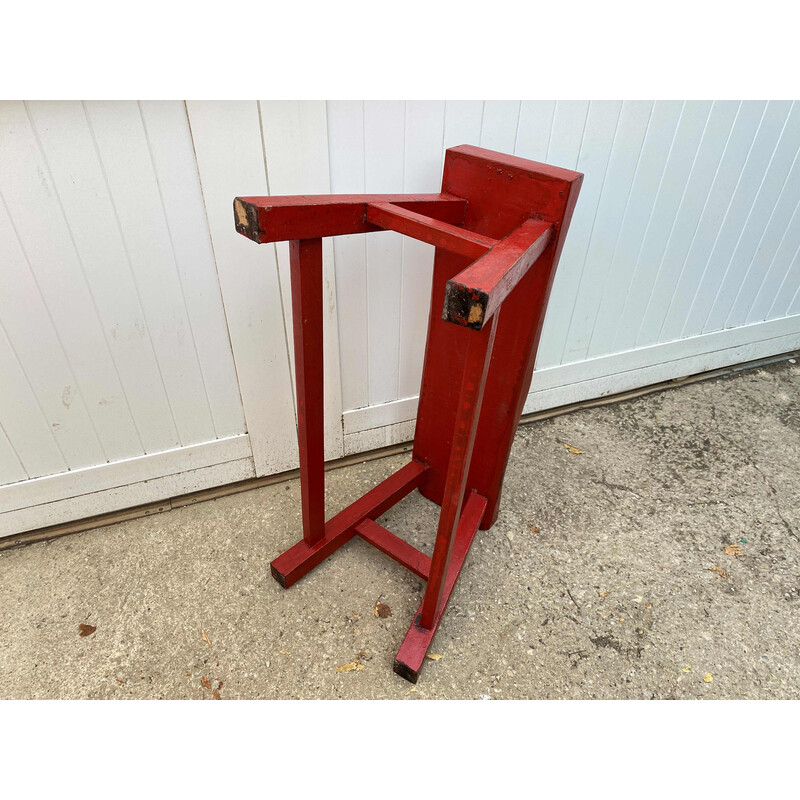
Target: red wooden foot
[[411, 655], [291, 565]]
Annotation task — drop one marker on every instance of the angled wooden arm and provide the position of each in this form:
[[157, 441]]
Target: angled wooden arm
[[473, 296], [280, 219]]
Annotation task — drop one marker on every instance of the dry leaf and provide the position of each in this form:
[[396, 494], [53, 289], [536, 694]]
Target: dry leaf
[[220, 685], [206, 682], [603, 594], [707, 678], [284, 652], [412, 689], [534, 529], [215, 694], [433, 656], [121, 683], [686, 669], [719, 571], [205, 636], [353, 665], [382, 610], [734, 550], [86, 630], [572, 449]]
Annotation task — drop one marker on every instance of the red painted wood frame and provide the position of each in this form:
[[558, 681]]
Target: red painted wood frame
[[498, 227]]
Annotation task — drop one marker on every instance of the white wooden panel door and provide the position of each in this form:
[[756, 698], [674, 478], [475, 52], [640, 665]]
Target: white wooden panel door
[[682, 255], [145, 347], [117, 383]]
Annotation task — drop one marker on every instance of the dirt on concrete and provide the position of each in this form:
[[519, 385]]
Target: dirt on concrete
[[662, 561]]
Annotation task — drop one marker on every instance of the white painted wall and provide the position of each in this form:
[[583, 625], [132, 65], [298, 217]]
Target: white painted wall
[[143, 343]]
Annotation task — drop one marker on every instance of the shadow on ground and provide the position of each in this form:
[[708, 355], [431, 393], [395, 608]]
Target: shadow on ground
[[661, 562]]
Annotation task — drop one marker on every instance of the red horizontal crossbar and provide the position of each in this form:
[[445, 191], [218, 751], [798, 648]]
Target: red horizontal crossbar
[[426, 229], [475, 294], [278, 219], [394, 547], [411, 654], [291, 565]]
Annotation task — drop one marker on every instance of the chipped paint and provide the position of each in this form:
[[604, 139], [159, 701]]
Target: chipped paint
[[475, 314]]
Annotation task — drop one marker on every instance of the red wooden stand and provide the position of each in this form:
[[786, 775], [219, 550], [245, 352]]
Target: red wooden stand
[[498, 226]]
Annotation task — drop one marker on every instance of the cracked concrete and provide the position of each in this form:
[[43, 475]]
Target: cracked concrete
[[606, 575]]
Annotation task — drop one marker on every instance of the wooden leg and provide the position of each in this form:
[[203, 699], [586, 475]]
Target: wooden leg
[[305, 262], [411, 655], [473, 382]]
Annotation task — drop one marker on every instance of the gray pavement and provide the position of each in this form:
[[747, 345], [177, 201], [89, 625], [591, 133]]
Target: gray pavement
[[661, 562]]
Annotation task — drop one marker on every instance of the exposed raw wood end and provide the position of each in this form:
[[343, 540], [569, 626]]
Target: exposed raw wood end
[[246, 218], [464, 306]]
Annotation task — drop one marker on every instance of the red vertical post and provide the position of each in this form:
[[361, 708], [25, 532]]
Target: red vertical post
[[305, 264], [473, 382]]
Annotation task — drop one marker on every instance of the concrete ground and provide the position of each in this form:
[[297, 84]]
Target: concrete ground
[[661, 562]]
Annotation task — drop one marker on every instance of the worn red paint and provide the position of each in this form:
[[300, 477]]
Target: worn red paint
[[498, 227], [305, 267]]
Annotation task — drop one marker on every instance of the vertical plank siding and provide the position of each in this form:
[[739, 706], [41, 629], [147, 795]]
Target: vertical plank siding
[[422, 166], [295, 139], [688, 225], [229, 150], [346, 163], [113, 343], [94, 230], [384, 156], [136, 324]]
